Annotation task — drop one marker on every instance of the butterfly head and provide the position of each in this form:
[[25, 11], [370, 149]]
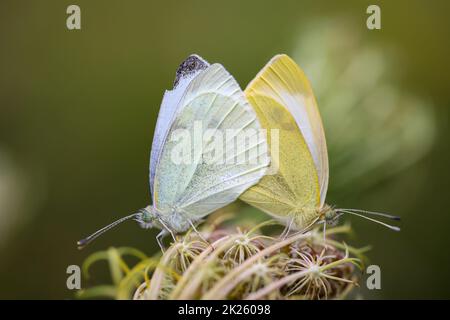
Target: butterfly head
[[330, 215], [146, 217]]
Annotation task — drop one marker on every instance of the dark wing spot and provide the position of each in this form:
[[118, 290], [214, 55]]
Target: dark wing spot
[[192, 64]]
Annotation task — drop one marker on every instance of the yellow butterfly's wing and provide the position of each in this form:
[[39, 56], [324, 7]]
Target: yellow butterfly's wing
[[293, 190], [284, 81], [283, 99]]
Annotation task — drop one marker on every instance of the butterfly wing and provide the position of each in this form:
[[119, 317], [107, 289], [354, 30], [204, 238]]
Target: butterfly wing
[[214, 100], [187, 71], [283, 80], [294, 187]]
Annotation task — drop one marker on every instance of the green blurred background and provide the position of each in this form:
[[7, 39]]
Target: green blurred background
[[78, 109]]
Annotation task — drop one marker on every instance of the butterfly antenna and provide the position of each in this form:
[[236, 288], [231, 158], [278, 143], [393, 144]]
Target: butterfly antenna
[[380, 214], [395, 228], [84, 242]]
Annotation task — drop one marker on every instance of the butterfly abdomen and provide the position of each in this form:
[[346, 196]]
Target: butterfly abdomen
[[305, 217]]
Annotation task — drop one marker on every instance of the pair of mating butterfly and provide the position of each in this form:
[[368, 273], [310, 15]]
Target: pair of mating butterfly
[[280, 97]]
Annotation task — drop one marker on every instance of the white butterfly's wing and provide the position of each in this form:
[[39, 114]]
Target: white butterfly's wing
[[196, 188], [285, 82], [187, 71]]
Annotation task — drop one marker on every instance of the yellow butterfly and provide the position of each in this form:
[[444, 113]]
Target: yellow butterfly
[[295, 193]]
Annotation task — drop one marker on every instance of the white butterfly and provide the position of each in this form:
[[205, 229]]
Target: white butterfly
[[185, 192]]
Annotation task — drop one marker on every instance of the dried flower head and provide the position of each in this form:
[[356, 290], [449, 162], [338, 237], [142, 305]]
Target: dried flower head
[[236, 263]]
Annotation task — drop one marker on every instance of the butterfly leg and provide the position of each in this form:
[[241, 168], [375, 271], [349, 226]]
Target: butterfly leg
[[324, 231], [160, 237], [198, 233], [287, 229], [167, 230]]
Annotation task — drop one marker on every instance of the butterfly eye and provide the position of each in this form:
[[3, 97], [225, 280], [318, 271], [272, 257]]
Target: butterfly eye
[[145, 218], [333, 222], [147, 215]]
